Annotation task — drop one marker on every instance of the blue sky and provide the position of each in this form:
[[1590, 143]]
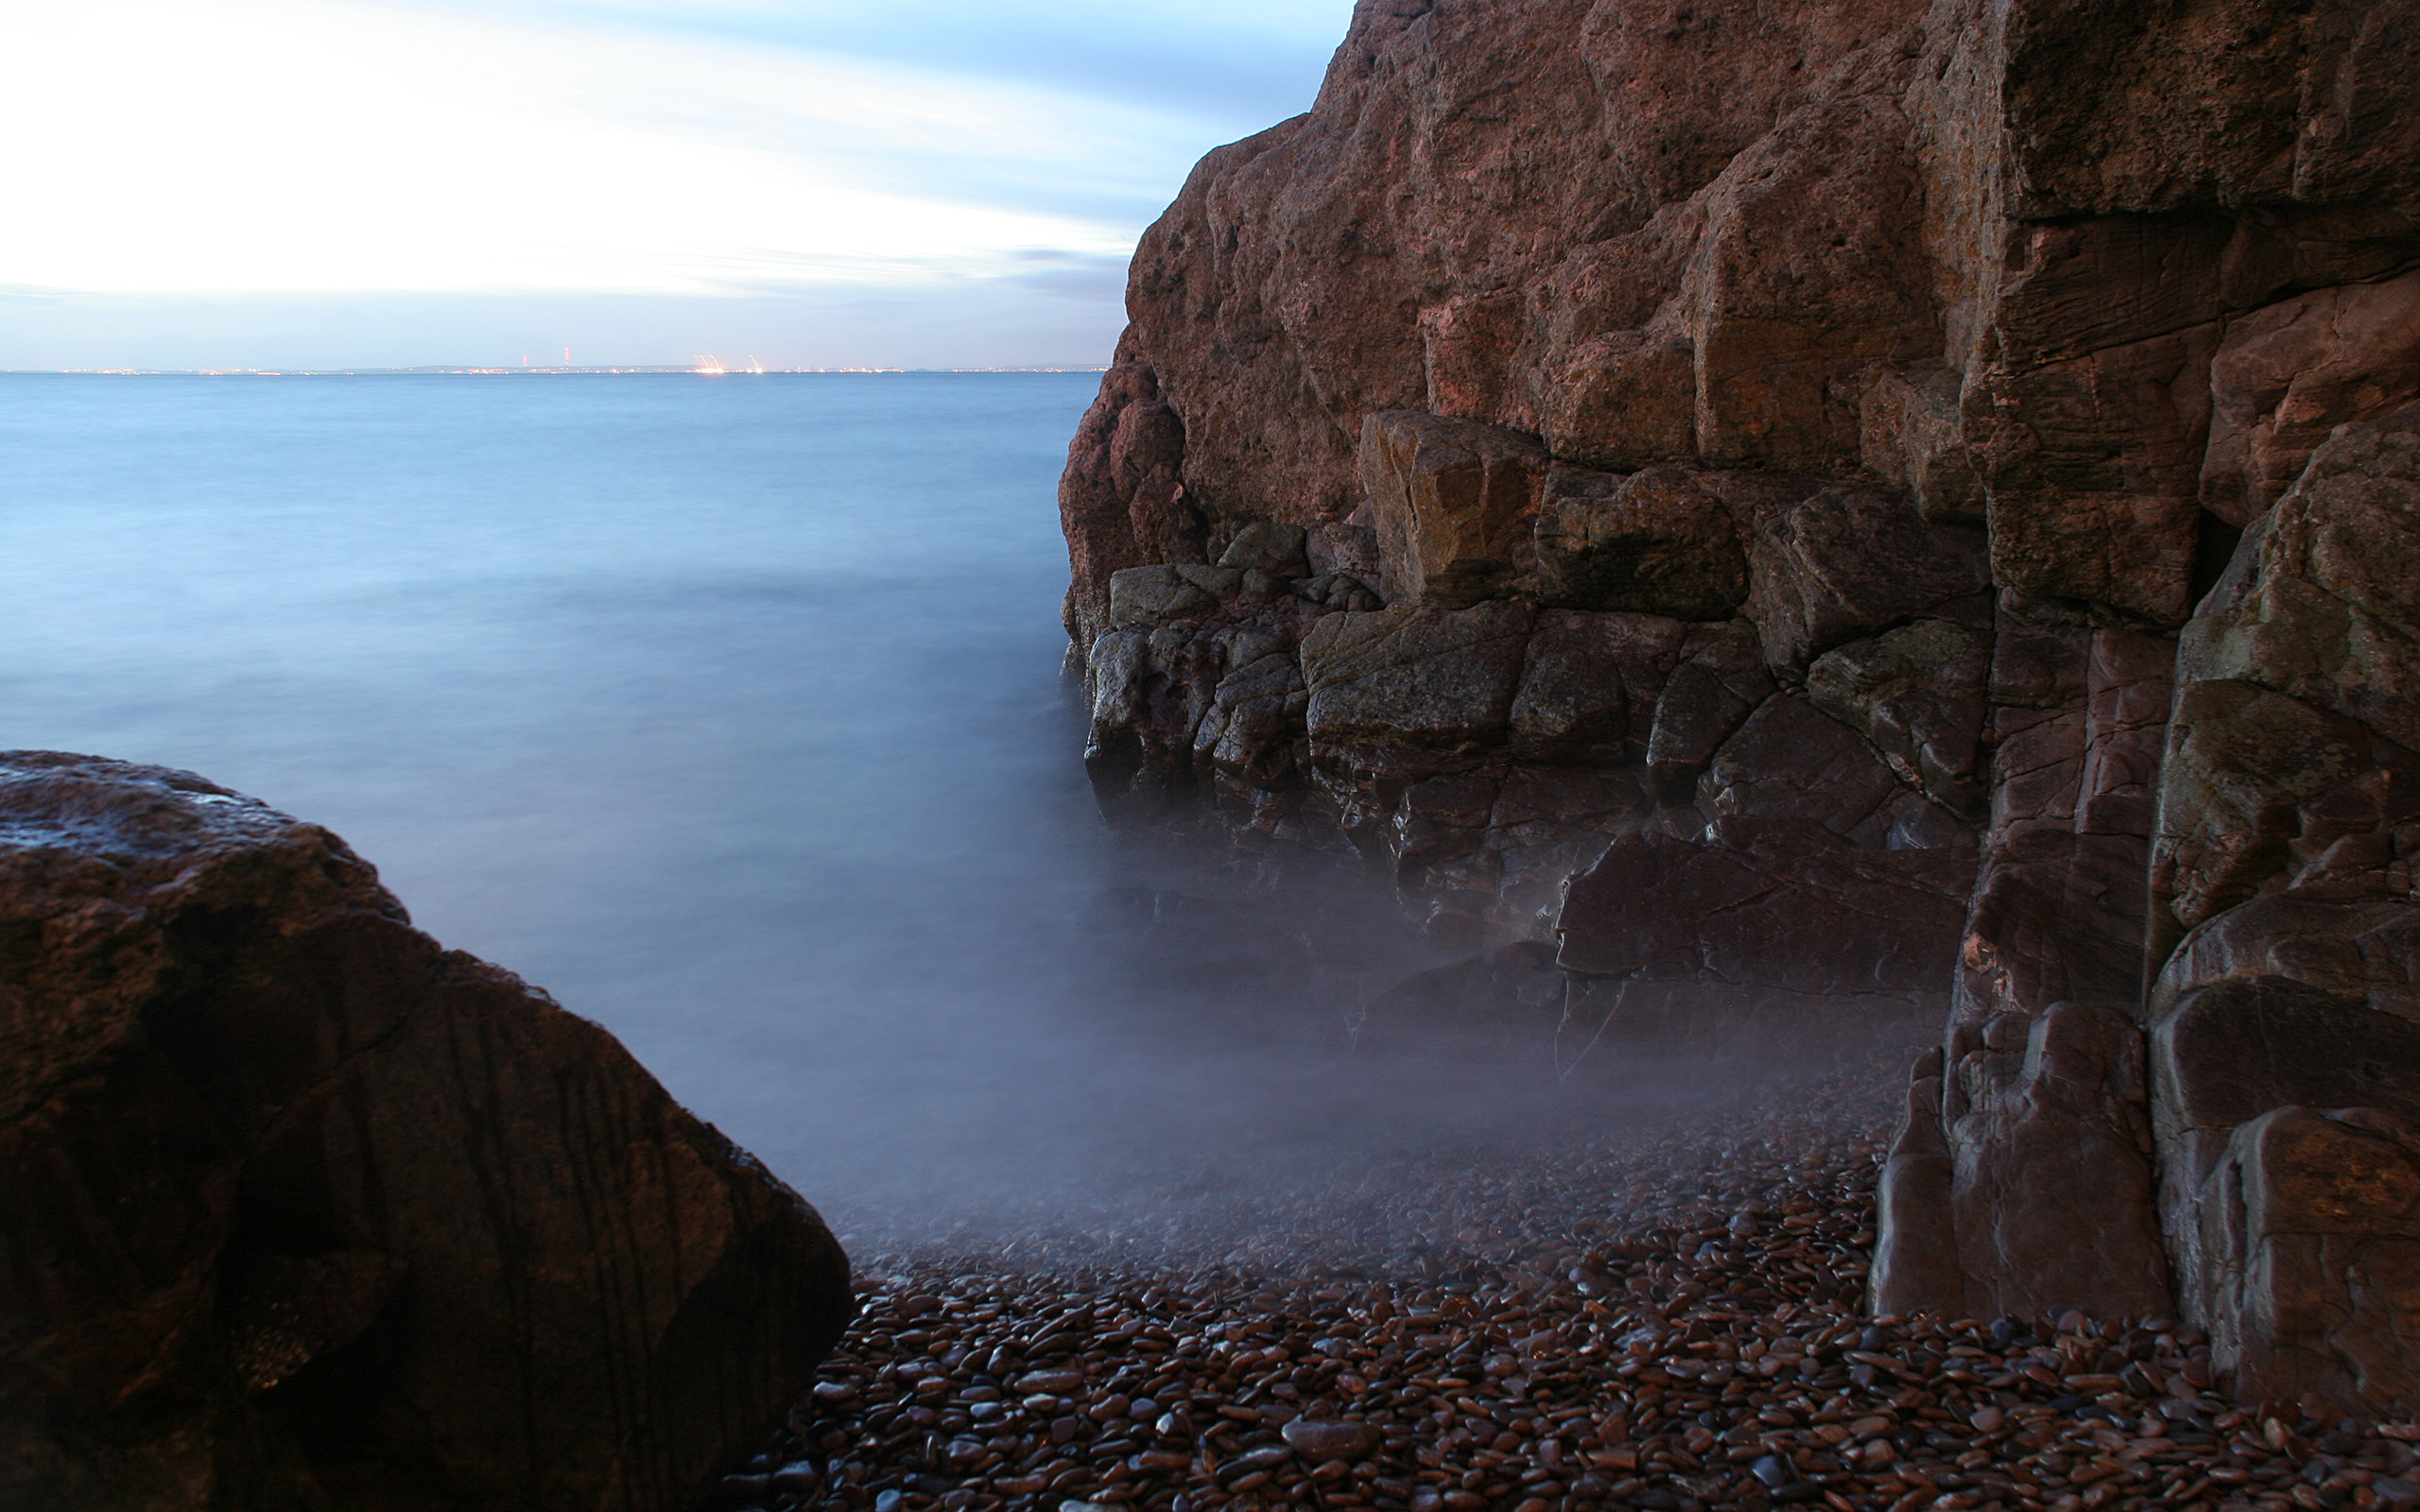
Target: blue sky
[[349, 183]]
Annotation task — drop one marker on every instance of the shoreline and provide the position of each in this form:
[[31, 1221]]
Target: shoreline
[[1696, 1341]]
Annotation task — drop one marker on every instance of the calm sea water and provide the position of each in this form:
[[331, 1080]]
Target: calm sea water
[[727, 710]]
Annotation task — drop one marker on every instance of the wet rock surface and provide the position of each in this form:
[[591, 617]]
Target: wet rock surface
[[300, 1210]]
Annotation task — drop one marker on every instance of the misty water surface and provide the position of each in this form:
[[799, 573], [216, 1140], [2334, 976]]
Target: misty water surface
[[730, 712]]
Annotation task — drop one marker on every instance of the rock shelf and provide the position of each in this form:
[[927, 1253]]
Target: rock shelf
[[1666, 1319]]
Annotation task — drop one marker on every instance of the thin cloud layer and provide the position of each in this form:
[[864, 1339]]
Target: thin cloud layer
[[277, 149]]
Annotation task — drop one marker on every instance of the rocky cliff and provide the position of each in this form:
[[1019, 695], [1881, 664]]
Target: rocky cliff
[[1867, 498], [299, 1211]]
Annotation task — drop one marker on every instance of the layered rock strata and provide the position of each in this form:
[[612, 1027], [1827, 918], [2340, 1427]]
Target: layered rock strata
[[299, 1209], [1720, 488]]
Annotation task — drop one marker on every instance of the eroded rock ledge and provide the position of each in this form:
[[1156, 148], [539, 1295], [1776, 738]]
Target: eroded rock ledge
[[299, 1209], [1721, 488]]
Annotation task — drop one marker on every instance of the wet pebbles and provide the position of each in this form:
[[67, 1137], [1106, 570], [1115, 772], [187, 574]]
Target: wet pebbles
[[1664, 1319]]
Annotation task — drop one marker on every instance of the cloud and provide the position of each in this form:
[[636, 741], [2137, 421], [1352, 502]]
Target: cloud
[[260, 146], [278, 182], [1237, 65]]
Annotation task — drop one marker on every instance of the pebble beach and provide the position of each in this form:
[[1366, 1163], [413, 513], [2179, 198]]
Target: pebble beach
[[1665, 1317]]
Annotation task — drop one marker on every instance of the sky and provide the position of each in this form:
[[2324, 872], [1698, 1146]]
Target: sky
[[344, 183]]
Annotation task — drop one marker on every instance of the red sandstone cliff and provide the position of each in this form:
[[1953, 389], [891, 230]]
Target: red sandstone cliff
[[1720, 485]]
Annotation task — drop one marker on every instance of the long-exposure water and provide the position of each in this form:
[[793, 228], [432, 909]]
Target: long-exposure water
[[729, 710]]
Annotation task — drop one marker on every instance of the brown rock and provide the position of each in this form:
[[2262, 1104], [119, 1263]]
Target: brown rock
[[2290, 372], [2097, 413], [2309, 1252], [1582, 675], [300, 1209], [1657, 541], [1626, 399], [1721, 681], [1916, 695], [1439, 679], [1452, 501], [1846, 562], [1769, 901], [1799, 283]]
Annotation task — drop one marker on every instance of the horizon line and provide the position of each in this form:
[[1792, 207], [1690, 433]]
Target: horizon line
[[466, 371]]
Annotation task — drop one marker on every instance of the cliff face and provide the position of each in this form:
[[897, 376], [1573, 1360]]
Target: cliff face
[[1721, 485]]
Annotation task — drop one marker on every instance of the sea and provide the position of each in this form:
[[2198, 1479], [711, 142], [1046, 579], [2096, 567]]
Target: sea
[[730, 710]]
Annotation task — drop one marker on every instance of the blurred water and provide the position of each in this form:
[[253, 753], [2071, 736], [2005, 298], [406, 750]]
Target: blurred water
[[729, 710]]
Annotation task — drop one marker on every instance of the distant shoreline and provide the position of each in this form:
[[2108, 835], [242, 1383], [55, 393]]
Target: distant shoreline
[[466, 371]]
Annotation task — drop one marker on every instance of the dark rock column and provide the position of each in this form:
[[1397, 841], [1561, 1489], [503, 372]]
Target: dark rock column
[[2285, 1032], [2022, 1177]]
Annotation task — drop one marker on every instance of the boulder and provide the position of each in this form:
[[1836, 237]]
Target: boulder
[[2322, 600], [2088, 445], [1912, 435], [300, 1210], [1145, 597], [1583, 675], [2364, 949], [1251, 732], [1790, 760], [1121, 501], [1916, 695], [2288, 373], [1659, 542], [1423, 681], [2057, 917], [2255, 781], [1548, 822], [1452, 501], [1769, 901], [1846, 562], [1720, 683], [1624, 399], [2031, 1174], [2308, 1249], [1267, 546], [2226, 1054]]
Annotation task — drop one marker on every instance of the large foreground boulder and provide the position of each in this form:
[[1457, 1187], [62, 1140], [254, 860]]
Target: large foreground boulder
[[299, 1209]]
